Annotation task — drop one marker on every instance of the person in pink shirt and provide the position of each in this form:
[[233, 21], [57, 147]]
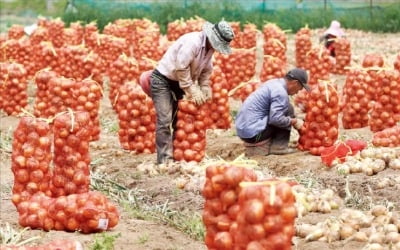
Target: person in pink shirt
[[185, 69], [334, 31]]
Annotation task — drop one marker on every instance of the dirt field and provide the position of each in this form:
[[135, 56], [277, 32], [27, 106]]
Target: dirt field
[[122, 166]]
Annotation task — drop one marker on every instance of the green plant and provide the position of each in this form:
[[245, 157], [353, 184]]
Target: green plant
[[36, 7], [143, 239], [141, 206], [100, 182], [6, 140], [104, 241], [109, 124], [11, 236], [308, 179], [377, 18], [356, 200]]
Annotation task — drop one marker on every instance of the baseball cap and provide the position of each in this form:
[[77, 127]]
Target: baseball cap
[[299, 75]]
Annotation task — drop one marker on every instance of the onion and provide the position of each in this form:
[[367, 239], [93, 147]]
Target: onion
[[378, 210], [254, 211], [223, 240], [346, 231], [305, 229], [392, 238], [360, 236]]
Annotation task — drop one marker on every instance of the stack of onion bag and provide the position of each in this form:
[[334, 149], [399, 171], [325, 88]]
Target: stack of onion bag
[[58, 199]]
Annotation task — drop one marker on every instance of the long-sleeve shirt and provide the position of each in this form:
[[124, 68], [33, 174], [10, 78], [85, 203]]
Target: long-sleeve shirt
[[187, 60], [269, 104]]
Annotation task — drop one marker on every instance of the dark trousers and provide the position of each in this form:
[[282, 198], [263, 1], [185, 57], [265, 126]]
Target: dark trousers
[[165, 94], [279, 137]]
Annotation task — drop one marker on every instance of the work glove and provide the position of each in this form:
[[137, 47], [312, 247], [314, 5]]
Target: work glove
[[302, 107], [194, 94], [206, 90], [298, 124]]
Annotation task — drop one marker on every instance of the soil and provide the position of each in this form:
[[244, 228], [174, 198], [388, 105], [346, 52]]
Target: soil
[[121, 165]]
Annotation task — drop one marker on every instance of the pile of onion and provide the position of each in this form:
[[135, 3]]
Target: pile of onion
[[190, 135], [72, 134], [248, 88], [221, 207], [274, 47], [237, 41], [373, 64], [272, 30], [137, 119], [60, 95], [88, 94], [64, 93], [320, 128], [273, 67], [342, 55], [220, 117], [266, 216], [123, 28], [108, 47], [71, 37], [79, 32], [16, 31], [386, 109], [303, 44], [30, 160], [46, 56], [89, 30], [319, 64], [147, 39], [180, 27], [55, 31], [248, 36], [372, 60], [41, 34], [42, 98], [357, 99], [86, 212], [238, 67], [274, 41], [20, 51], [389, 137], [70, 59], [300, 99], [39, 192], [14, 87], [122, 70]]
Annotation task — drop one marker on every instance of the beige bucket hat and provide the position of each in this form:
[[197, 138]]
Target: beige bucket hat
[[220, 35]]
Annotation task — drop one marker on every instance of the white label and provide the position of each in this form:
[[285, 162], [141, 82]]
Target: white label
[[78, 245], [103, 224]]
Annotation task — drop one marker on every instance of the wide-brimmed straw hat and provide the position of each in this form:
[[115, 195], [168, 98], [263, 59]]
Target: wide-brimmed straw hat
[[335, 29], [220, 35]]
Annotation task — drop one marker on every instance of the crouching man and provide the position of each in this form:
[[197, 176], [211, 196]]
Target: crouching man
[[265, 119]]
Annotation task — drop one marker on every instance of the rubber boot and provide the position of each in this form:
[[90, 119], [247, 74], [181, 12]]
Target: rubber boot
[[259, 148], [280, 142]]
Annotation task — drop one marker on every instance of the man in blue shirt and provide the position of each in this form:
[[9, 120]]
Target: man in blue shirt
[[265, 119]]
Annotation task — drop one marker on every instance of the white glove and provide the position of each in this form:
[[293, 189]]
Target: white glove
[[194, 94], [302, 107], [298, 124], [206, 92]]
